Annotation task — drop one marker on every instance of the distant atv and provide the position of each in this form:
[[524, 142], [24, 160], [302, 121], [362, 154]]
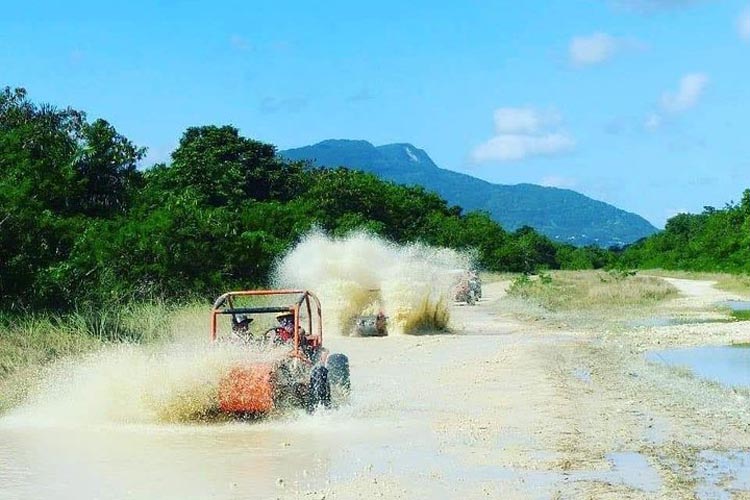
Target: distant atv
[[306, 376], [475, 284], [467, 286], [374, 325]]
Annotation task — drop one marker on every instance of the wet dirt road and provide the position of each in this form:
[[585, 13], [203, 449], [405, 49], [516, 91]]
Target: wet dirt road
[[501, 409]]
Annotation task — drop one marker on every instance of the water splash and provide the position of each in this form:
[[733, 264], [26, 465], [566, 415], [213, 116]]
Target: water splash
[[359, 273], [134, 384]]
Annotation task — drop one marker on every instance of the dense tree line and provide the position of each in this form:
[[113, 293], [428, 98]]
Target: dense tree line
[[80, 223], [714, 240]]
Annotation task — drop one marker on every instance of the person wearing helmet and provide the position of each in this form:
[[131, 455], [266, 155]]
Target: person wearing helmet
[[241, 326], [284, 334], [242, 322], [285, 331]]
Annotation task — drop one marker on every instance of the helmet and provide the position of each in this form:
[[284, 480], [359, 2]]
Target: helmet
[[285, 314], [242, 318]]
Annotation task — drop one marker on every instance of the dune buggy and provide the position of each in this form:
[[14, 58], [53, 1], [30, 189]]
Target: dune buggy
[[307, 375]]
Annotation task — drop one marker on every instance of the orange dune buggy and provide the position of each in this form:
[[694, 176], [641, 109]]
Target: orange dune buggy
[[306, 376]]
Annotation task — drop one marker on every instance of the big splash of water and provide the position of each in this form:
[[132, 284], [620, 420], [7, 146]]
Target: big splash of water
[[178, 382], [134, 384], [362, 274]]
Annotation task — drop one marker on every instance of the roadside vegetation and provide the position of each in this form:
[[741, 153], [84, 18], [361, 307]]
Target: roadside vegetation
[[28, 342], [586, 299], [714, 241]]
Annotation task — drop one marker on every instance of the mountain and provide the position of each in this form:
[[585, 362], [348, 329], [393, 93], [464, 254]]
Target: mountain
[[561, 214]]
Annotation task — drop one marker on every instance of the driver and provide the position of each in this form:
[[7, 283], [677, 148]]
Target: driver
[[285, 331]]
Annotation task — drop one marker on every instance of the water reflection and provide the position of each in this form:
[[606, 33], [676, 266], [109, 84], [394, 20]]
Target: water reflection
[[728, 365]]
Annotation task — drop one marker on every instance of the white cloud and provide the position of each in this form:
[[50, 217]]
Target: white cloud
[[523, 120], [521, 133], [593, 49], [743, 24], [688, 94], [558, 182]]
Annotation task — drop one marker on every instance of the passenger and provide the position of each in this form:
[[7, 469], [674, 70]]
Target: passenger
[[241, 326]]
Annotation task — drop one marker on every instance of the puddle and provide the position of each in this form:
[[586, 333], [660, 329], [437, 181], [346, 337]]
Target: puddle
[[661, 321], [728, 365], [720, 474], [736, 305], [629, 468], [582, 374]]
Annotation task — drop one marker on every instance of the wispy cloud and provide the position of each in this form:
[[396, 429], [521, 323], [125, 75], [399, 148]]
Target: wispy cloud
[[77, 56], [592, 49], [598, 48], [688, 93], [743, 24], [521, 133], [653, 121], [363, 95]]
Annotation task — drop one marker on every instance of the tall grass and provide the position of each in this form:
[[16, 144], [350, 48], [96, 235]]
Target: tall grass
[[28, 342], [591, 290]]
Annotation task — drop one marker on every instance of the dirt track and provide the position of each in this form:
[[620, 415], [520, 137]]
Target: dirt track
[[507, 409], [500, 409]]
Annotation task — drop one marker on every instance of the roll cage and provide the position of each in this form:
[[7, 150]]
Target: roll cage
[[299, 299]]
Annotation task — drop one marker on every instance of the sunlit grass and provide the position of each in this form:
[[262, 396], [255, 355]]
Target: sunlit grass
[[591, 290], [29, 342], [741, 315]]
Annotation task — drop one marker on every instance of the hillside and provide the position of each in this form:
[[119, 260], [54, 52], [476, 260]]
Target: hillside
[[561, 214]]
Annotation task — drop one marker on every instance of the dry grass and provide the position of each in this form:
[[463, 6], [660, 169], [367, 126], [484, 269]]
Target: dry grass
[[591, 290], [586, 300]]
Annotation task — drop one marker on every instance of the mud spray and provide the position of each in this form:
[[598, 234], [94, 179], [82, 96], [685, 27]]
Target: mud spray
[[362, 274], [137, 384], [134, 384]]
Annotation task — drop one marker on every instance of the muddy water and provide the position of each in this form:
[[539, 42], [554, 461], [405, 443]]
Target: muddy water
[[729, 365], [236, 460], [385, 429]]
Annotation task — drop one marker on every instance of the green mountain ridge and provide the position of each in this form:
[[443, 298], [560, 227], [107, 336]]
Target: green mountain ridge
[[561, 214]]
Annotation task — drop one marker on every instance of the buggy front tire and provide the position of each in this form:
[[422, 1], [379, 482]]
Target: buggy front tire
[[320, 389]]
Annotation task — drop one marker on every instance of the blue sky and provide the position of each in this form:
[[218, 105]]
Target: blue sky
[[644, 104]]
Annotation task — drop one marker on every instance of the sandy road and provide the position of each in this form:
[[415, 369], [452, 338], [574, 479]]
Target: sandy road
[[510, 409], [499, 409]]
